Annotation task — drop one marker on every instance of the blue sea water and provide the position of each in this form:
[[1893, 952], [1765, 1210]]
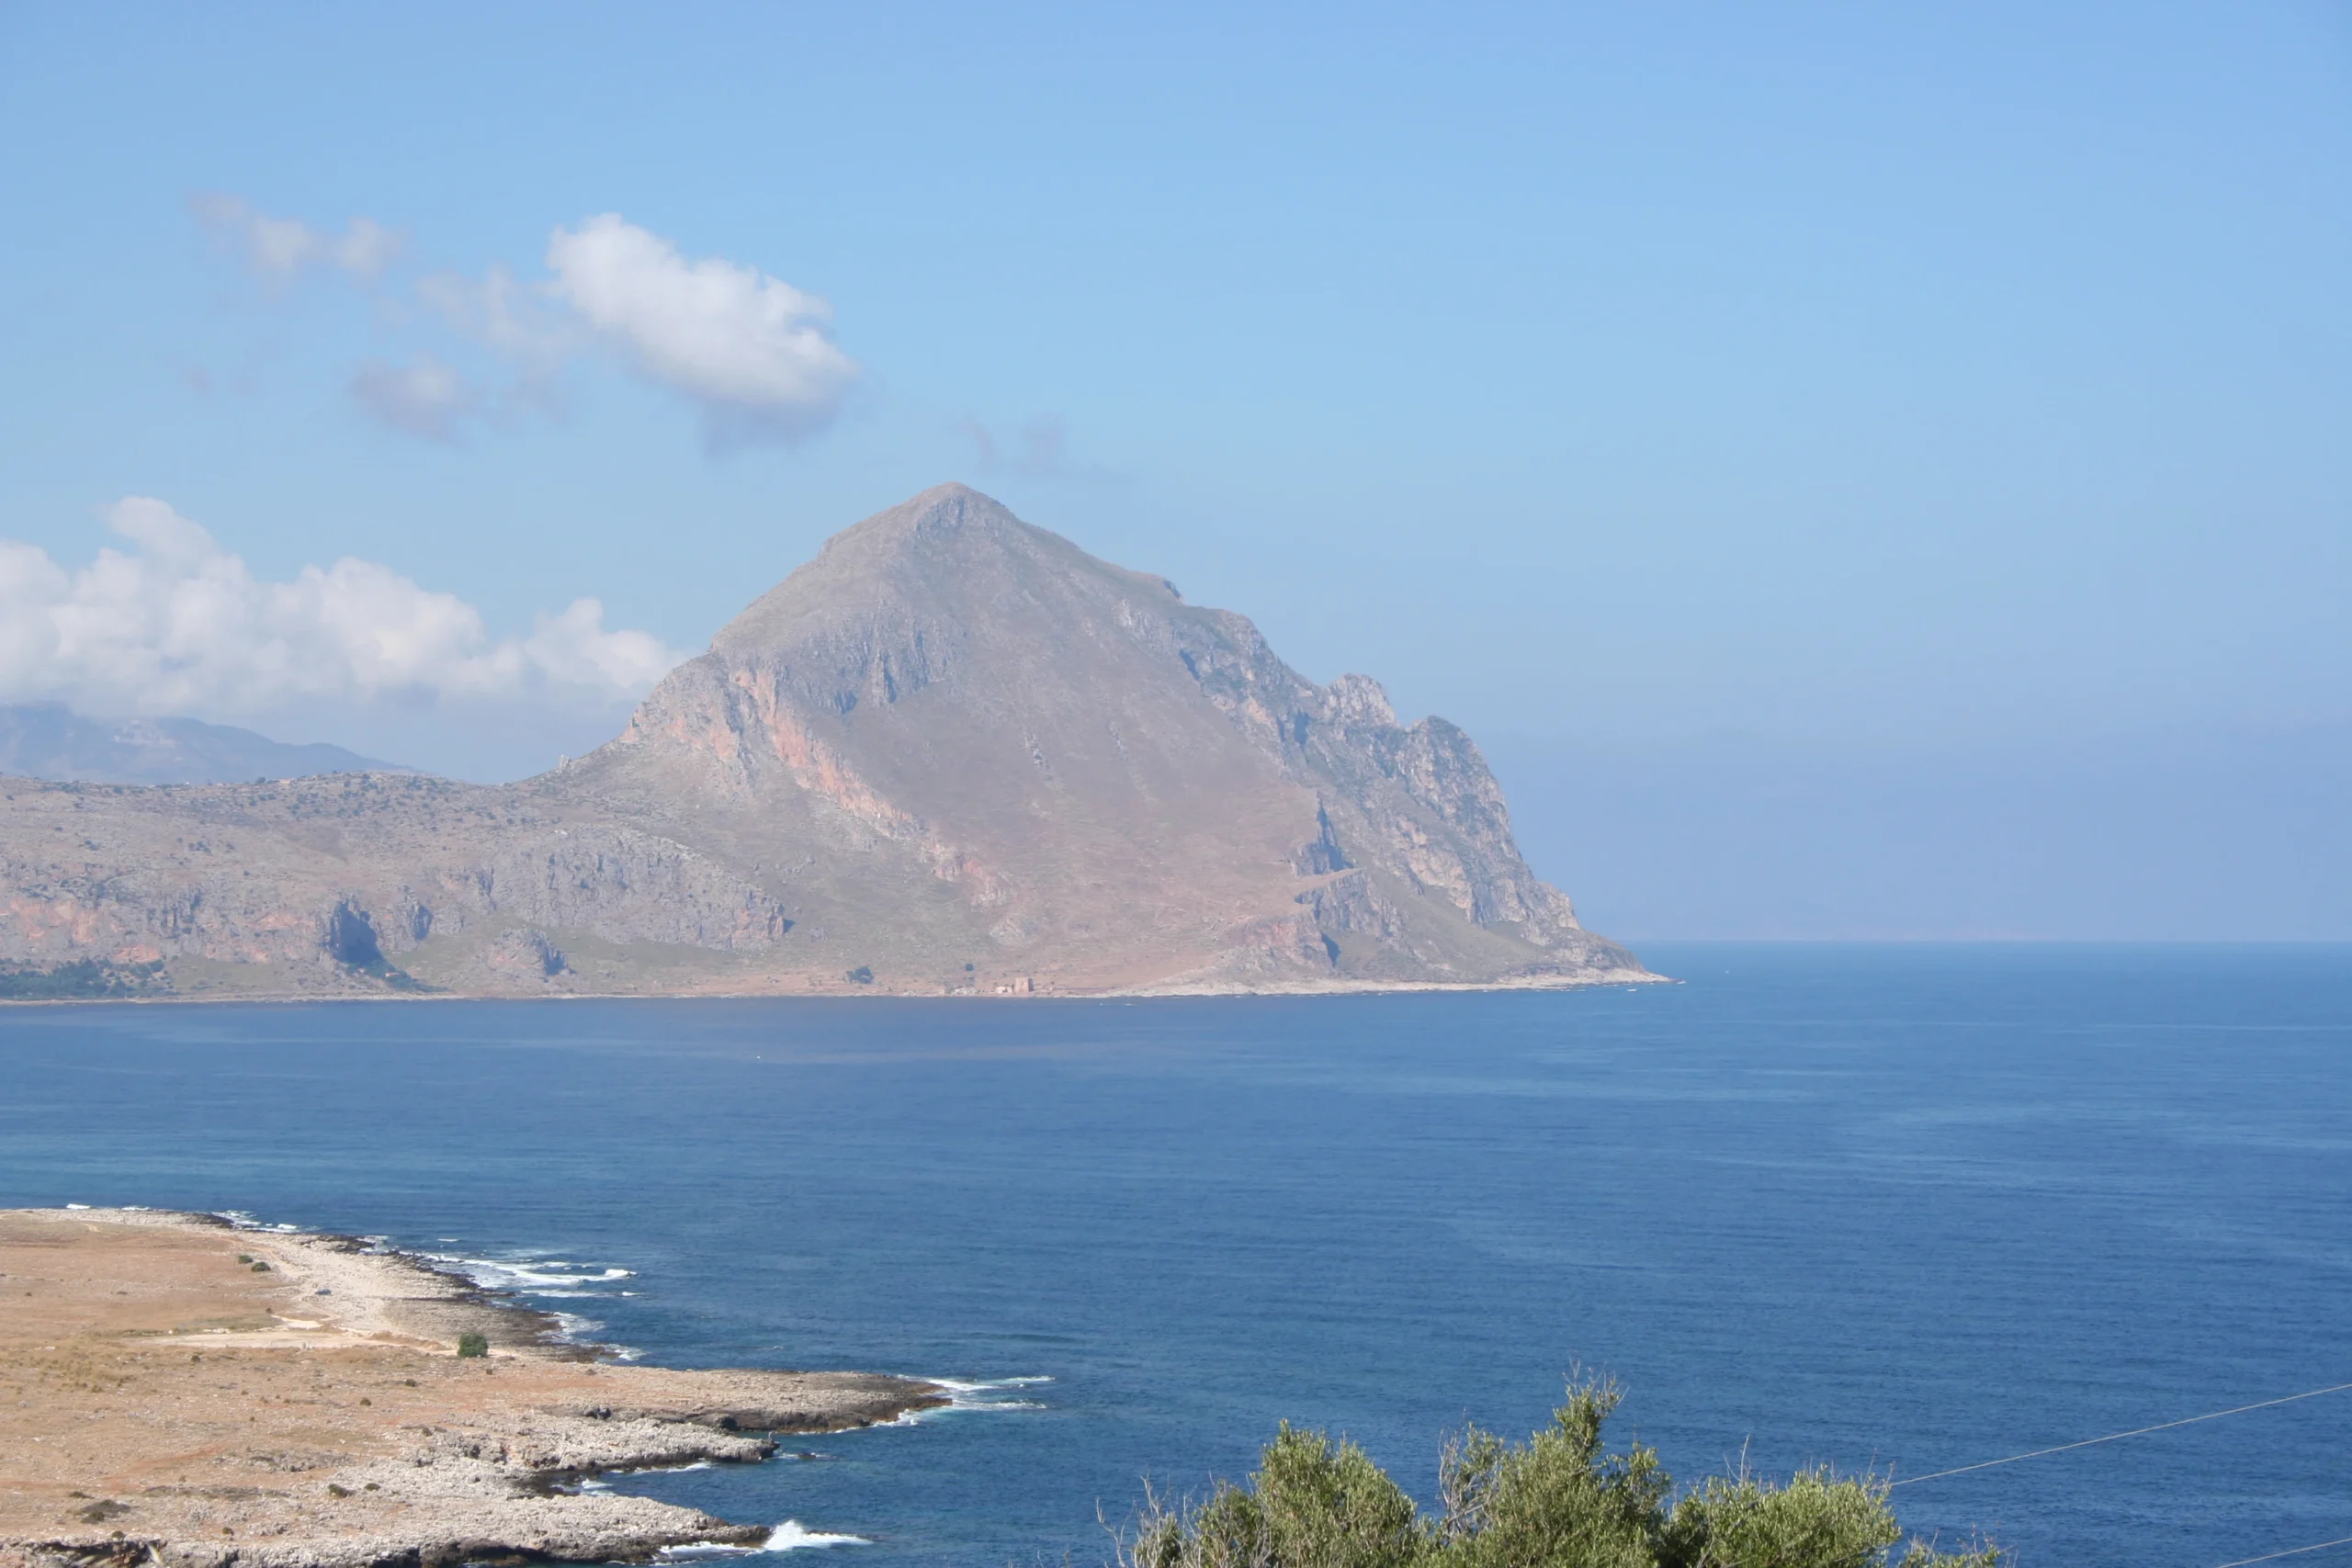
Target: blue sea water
[[1908, 1207]]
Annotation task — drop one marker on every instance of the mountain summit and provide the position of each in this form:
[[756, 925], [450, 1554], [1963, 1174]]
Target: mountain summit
[[954, 751]]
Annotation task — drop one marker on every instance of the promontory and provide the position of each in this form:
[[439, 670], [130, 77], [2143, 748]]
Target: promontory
[[177, 1393], [954, 753]]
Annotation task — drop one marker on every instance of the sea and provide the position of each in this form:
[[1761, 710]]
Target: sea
[[1897, 1209]]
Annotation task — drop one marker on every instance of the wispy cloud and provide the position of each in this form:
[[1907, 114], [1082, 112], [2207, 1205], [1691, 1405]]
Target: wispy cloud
[[1036, 449], [753, 354], [178, 624], [517, 320], [279, 249], [423, 397]]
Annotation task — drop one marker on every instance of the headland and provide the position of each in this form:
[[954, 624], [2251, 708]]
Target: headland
[[178, 1391], [955, 755]]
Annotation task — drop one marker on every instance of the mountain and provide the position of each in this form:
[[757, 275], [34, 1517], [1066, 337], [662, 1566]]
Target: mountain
[[952, 752], [46, 740]]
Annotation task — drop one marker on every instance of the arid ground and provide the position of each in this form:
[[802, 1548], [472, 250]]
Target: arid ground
[[176, 1390]]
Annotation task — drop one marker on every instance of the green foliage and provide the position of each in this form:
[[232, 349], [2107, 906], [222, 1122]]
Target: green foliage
[[1311, 1503], [1560, 1500], [1815, 1519], [84, 979], [863, 975], [471, 1346], [1919, 1554]]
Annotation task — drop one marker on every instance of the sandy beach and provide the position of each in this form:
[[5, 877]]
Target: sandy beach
[[176, 1390]]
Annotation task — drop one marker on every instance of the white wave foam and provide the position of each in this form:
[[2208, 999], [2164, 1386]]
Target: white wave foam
[[984, 1385], [242, 1219], [790, 1536], [995, 1405], [528, 1277], [573, 1329], [973, 1394]]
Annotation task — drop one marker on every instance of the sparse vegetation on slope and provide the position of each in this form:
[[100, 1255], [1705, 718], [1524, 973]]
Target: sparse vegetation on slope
[[1560, 1500], [85, 979]]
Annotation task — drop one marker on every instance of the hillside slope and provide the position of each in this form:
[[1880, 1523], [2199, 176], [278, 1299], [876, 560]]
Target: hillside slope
[[44, 740], [952, 752]]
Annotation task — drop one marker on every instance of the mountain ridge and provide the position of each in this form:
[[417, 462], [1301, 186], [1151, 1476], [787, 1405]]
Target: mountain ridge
[[48, 740], [952, 752]]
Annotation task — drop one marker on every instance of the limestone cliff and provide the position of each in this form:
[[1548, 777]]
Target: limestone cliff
[[952, 752]]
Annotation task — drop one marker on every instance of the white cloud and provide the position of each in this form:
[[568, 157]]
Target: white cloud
[[277, 249], [750, 349], [179, 626], [424, 398]]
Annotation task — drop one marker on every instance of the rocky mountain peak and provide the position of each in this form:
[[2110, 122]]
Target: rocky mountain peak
[[952, 751], [1067, 746]]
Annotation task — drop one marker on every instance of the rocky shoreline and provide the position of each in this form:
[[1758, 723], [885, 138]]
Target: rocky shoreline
[[178, 1391]]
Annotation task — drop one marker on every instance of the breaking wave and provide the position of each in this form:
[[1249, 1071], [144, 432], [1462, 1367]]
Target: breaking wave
[[789, 1536], [976, 1393], [532, 1277]]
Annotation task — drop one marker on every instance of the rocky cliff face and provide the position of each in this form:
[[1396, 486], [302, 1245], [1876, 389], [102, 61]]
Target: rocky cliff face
[[952, 752]]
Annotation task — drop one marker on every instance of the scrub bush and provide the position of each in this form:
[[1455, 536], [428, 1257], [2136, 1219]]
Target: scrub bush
[[472, 1345], [85, 978], [1560, 1500]]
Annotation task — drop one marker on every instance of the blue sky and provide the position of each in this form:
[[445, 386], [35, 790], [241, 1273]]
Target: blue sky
[[1860, 470]]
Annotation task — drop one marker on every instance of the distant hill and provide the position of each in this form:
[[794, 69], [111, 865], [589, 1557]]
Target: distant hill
[[953, 753], [49, 742]]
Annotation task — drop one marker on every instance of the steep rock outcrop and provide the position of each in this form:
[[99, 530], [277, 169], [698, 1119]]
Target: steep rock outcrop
[[953, 751]]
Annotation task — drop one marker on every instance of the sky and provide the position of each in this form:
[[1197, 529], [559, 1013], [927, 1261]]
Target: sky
[[1860, 471]]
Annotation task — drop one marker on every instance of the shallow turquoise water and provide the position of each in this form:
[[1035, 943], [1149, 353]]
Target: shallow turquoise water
[[1914, 1207]]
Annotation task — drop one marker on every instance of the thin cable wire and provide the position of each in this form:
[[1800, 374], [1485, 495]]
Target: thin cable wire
[[2297, 1552], [2134, 1432]]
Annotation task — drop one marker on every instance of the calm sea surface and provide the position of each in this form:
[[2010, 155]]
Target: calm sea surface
[[1910, 1207]]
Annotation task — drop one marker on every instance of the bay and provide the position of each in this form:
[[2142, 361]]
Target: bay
[[1909, 1207]]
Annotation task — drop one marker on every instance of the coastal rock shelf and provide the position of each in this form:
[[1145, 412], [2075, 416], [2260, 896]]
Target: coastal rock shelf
[[177, 1390]]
